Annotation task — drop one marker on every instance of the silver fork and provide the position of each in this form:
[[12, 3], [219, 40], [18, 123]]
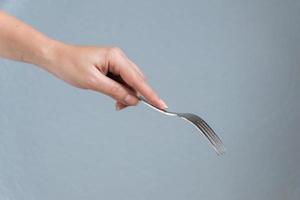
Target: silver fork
[[198, 122]]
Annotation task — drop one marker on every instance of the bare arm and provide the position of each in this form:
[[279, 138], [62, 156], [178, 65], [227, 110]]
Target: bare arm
[[81, 66]]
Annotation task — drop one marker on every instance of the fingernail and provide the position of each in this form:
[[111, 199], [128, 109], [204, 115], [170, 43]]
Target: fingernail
[[164, 105], [130, 100], [118, 107]]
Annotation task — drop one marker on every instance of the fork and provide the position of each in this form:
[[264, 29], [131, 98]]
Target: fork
[[198, 122]]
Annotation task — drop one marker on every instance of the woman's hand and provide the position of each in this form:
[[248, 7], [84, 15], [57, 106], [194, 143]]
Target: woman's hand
[[88, 67], [81, 66]]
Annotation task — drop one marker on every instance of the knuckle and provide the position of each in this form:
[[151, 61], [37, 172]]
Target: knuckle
[[115, 51], [137, 80], [143, 77], [115, 90], [91, 81]]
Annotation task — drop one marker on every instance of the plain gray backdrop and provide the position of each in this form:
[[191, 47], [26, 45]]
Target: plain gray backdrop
[[235, 63]]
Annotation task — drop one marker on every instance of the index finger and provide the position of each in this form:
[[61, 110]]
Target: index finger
[[141, 86]]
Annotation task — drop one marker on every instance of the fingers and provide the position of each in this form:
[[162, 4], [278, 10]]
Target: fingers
[[139, 84], [129, 72], [115, 90], [120, 106], [137, 68]]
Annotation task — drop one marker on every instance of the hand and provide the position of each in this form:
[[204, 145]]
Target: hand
[[88, 68], [82, 66]]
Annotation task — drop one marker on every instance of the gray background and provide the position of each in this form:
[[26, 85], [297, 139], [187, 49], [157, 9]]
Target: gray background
[[235, 63]]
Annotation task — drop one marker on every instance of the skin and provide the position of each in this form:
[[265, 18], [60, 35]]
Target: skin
[[103, 69]]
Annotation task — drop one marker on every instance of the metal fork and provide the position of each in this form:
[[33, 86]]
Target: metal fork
[[198, 122]]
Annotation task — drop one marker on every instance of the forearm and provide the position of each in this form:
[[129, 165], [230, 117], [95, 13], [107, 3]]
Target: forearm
[[19, 41]]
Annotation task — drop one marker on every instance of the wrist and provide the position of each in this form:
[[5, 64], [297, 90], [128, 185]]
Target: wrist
[[48, 54]]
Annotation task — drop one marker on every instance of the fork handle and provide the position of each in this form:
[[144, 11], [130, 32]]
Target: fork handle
[[142, 99]]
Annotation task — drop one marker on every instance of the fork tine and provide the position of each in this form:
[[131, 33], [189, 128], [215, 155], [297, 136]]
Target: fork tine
[[205, 132], [217, 143], [211, 131]]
